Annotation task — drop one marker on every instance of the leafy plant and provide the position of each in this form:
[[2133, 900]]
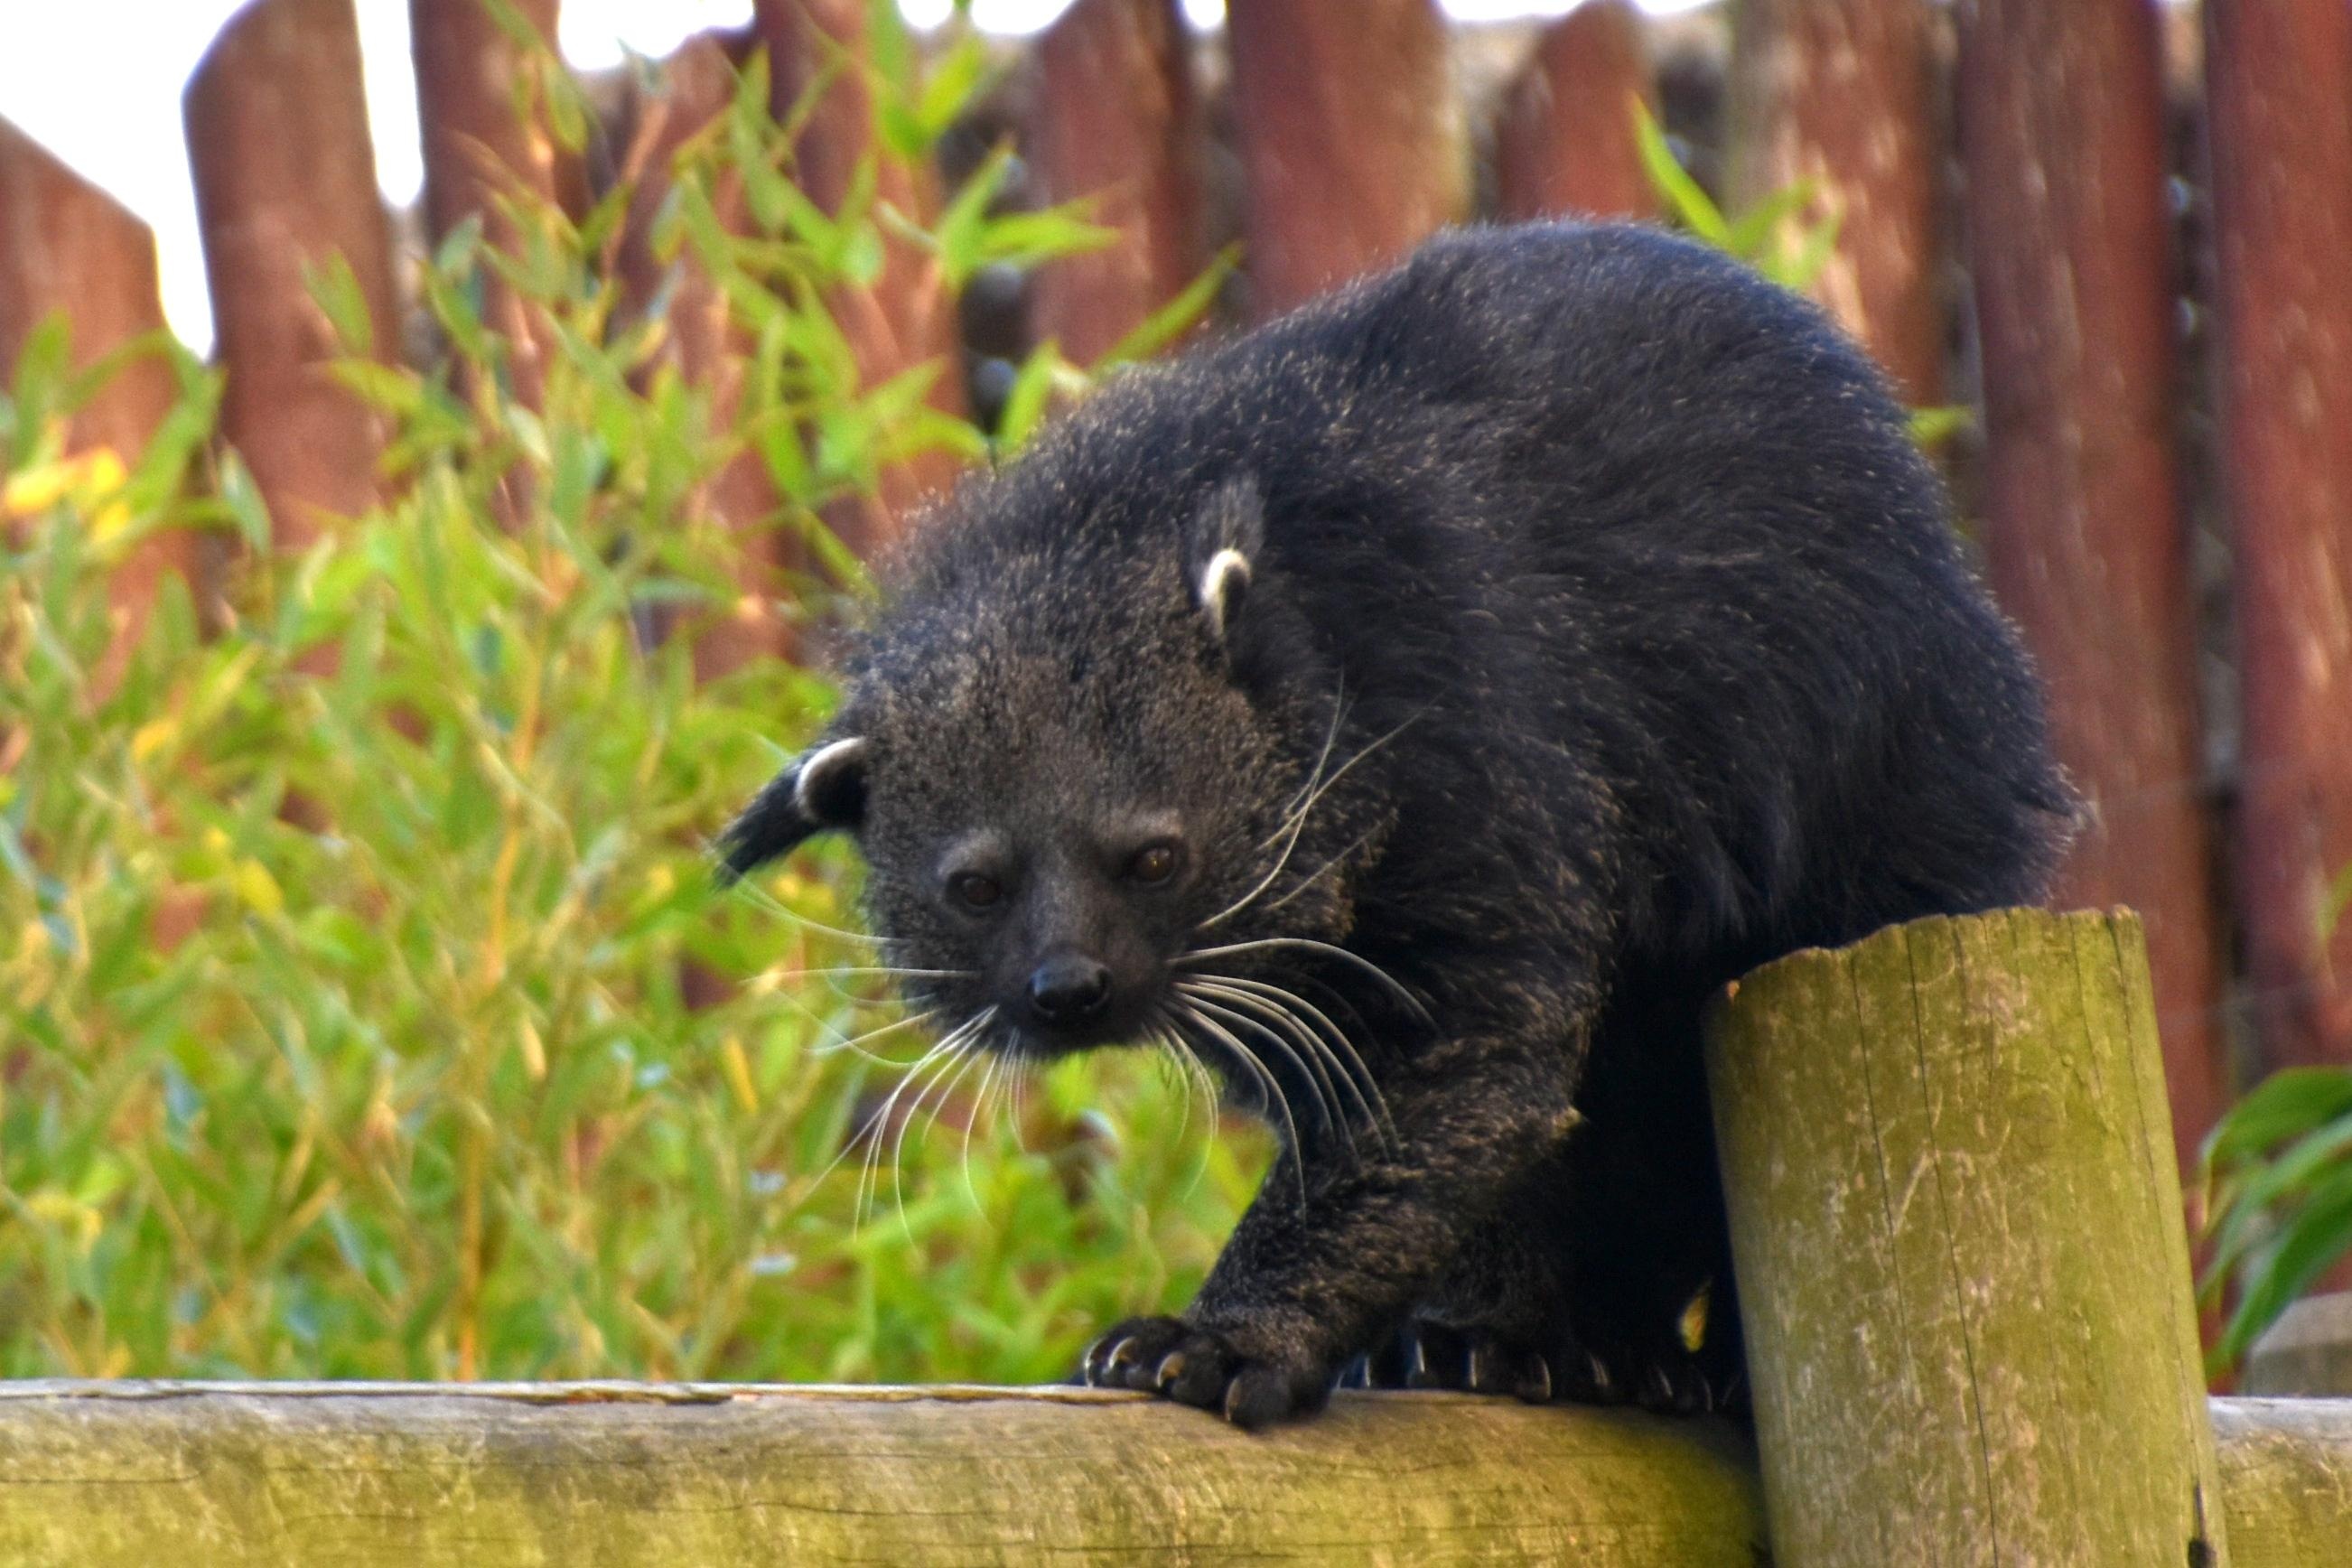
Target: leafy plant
[[365, 1006], [1769, 236], [1773, 236], [2278, 1187]]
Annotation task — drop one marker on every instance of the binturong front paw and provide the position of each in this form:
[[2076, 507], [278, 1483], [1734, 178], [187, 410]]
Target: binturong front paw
[[1251, 1385]]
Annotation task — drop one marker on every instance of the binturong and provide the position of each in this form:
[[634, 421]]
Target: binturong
[[1417, 711]]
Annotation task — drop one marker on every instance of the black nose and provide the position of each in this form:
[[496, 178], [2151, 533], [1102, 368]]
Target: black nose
[[1067, 987]]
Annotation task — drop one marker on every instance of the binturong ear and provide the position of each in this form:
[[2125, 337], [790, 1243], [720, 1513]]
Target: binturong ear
[[1221, 551], [823, 790]]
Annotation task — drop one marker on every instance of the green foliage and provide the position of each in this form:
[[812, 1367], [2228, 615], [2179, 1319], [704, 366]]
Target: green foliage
[[350, 957], [2278, 1187], [2278, 1194], [1774, 236]]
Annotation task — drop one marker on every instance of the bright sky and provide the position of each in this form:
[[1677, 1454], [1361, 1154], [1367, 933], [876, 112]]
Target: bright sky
[[97, 82]]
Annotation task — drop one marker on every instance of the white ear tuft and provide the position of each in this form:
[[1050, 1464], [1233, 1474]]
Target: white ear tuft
[[829, 780], [1224, 582]]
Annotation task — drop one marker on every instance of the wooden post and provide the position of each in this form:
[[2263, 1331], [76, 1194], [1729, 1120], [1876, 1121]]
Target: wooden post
[[1962, 1270], [1842, 93], [1351, 137], [285, 180], [1564, 142], [67, 247], [477, 148], [2061, 127], [2279, 123], [1113, 116], [696, 85], [906, 317]]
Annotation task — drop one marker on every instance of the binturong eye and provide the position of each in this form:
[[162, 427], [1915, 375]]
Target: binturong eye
[[974, 891], [1154, 864]]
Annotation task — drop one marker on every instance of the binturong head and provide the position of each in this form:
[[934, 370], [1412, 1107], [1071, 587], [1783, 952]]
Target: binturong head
[[1080, 758]]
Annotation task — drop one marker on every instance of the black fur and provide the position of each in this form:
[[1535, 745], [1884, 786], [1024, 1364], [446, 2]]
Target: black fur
[[1600, 583]]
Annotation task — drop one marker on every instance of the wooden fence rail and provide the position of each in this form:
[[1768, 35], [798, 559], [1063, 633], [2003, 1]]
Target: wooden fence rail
[[1969, 1326], [651, 1475]]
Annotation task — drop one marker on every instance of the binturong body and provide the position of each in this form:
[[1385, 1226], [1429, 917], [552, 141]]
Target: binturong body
[[1417, 709]]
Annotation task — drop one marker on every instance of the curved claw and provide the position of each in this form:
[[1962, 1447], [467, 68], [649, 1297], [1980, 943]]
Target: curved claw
[[1200, 1366]]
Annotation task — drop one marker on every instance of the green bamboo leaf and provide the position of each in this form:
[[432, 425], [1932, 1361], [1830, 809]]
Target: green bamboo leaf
[[1026, 402], [1799, 271], [955, 82], [2338, 900], [44, 367], [961, 231], [2317, 1237], [334, 287], [1684, 197], [2289, 1103], [1755, 230], [2283, 1181], [1024, 239], [242, 498], [1174, 319], [1932, 426], [388, 389]]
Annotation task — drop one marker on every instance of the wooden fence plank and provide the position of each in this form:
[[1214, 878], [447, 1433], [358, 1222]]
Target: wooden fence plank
[[1351, 138], [1565, 142], [115, 1475], [2286, 1479], [285, 180], [2279, 120], [66, 246], [1842, 93], [2061, 126], [478, 148], [123, 1475], [694, 86], [1114, 116], [1962, 1272], [907, 316]]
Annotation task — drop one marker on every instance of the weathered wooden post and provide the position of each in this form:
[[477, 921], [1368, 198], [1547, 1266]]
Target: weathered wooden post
[[700, 340], [2279, 131], [66, 246], [2061, 125], [1564, 141], [1114, 116], [284, 179], [1350, 135], [820, 58], [1842, 93], [1963, 1276], [477, 149]]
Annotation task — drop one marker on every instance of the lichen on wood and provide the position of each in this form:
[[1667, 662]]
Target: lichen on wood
[[227, 1476], [1963, 1275]]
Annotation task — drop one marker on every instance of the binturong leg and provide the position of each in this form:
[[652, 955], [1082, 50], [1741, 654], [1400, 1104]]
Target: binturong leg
[[1303, 1287]]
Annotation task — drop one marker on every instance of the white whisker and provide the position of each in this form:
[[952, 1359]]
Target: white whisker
[[1334, 1041], [1272, 1086], [1309, 944], [856, 1044], [775, 906], [1296, 825], [1310, 1066], [1320, 1050], [979, 1107]]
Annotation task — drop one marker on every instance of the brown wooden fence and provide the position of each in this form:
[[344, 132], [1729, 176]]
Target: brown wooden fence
[[2118, 230]]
